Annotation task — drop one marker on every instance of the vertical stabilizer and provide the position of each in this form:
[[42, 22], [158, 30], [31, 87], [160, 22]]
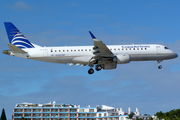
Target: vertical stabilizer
[[16, 37]]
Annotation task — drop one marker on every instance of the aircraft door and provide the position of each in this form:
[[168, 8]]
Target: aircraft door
[[158, 49], [45, 52]]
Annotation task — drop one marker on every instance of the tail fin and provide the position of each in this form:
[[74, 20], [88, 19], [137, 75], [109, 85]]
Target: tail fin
[[16, 37]]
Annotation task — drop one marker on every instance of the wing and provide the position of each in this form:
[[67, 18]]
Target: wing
[[100, 49]]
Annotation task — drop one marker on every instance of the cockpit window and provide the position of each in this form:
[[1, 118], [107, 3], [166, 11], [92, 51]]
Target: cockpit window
[[166, 48]]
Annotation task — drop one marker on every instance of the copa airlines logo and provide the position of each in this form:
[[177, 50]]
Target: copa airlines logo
[[21, 41]]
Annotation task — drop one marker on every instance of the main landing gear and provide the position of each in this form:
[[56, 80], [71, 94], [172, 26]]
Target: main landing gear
[[98, 68], [90, 71], [159, 62]]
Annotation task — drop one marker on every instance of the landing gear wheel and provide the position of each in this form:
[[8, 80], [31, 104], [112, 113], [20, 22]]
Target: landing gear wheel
[[98, 67], [159, 66], [90, 71]]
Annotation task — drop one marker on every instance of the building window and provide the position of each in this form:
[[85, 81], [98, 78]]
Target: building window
[[91, 110], [81, 110]]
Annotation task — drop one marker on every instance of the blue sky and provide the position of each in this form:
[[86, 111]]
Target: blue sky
[[59, 23]]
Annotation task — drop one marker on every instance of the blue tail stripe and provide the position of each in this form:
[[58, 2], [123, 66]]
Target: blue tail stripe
[[15, 35], [23, 44], [23, 41]]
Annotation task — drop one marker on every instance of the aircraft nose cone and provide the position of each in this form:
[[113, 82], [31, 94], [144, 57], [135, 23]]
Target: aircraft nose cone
[[176, 55]]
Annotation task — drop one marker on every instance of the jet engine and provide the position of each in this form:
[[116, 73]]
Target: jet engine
[[122, 59]]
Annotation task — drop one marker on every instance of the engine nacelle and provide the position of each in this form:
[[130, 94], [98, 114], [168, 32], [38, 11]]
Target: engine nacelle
[[122, 59]]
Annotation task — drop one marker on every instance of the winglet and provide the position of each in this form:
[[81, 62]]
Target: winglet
[[93, 37]]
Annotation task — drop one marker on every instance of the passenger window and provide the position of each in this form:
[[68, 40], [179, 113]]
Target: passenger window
[[85, 49], [129, 48], [71, 50], [137, 48], [126, 48], [63, 50], [75, 50], [67, 50], [110, 49], [134, 48], [51, 50], [145, 48], [59, 50], [78, 50], [55, 50], [141, 48], [114, 49], [118, 48], [89, 49], [82, 50], [122, 49]]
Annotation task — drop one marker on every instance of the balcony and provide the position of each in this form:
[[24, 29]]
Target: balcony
[[54, 115], [46, 111], [18, 110], [27, 110], [17, 116], [64, 111], [73, 111], [54, 110]]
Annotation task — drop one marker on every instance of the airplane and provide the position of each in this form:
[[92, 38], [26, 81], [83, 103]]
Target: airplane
[[100, 55]]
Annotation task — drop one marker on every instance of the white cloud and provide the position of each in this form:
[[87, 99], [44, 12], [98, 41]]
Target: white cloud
[[19, 5]]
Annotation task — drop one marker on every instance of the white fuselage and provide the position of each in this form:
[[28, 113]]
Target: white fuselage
[[82, 54]]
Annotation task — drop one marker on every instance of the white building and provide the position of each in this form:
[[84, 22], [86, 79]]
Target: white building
[[53, 111]]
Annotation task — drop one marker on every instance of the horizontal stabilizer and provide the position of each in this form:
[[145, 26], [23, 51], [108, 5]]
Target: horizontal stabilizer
[[15, 49]]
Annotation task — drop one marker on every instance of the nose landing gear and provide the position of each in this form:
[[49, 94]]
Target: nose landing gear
[[159, 62], [159, 66]]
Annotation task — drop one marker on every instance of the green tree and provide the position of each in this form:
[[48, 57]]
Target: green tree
[[150, 118], [3, 115], [160, 115], [131, 115]]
